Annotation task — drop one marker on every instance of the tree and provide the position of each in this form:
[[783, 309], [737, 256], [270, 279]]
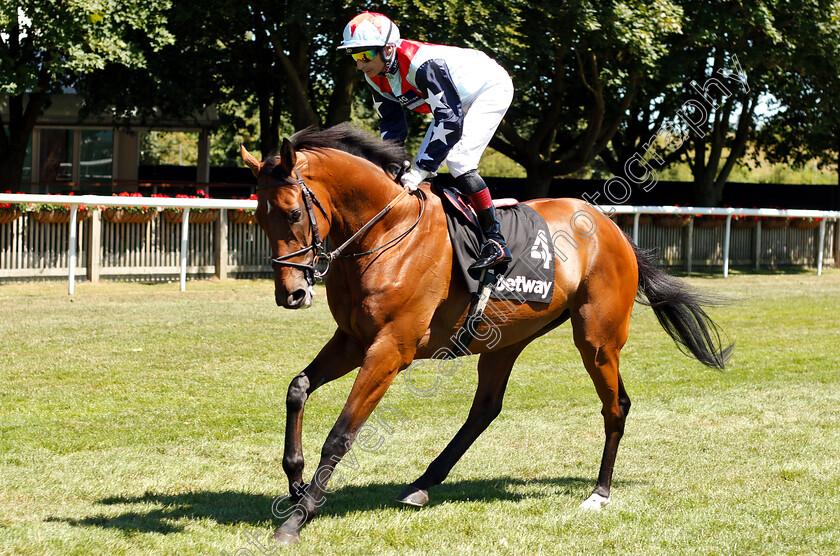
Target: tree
[[176, 80], [657, 101], [276, 59], [807, 126], [50, 44], [729, 57], [577, 69], [317, 84]]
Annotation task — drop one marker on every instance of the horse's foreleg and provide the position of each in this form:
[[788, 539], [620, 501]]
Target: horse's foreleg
[[338, 357], [381, 364], [493, 373]]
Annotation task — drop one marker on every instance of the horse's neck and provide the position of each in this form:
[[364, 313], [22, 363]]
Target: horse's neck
[[355, 198]]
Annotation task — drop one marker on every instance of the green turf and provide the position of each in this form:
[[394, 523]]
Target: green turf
[[139, 420]]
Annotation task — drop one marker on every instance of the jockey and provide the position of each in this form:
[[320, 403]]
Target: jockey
[[465, 91]]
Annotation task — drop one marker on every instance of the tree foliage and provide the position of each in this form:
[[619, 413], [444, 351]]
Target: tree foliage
[[577, 72], [710, 113], [807, 125], [49, 44], [593, 80]]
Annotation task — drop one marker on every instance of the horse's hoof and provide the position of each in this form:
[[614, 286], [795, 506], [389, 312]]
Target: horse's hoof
[[595, 502], [282, 537], [413, 496]]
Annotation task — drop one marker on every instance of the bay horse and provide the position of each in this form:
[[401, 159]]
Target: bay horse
[[396, 297]]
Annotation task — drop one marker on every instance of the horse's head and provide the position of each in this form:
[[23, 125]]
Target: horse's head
[[341, 163], [285, 214]]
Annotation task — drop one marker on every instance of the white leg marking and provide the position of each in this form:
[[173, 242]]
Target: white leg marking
[[595, 502]]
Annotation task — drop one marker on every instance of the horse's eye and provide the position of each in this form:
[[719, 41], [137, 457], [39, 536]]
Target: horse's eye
[[294, 216]]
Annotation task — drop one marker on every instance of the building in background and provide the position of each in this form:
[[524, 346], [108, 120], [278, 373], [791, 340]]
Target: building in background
[[68, 153]]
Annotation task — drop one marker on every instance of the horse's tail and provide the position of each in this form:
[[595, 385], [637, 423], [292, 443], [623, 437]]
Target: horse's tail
[[679, 309]]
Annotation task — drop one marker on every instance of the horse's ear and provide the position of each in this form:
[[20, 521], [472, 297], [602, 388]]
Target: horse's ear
[[250, 160], [287, 157]]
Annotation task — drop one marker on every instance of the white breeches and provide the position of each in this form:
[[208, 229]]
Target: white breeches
[[481, 119]]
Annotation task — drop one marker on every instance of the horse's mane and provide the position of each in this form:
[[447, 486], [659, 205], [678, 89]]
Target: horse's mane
[[350, 139]]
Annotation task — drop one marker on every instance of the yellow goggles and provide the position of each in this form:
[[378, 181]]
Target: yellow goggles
[[364, 55]]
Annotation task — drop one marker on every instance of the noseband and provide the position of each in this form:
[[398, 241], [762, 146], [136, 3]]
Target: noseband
[[317, 246]]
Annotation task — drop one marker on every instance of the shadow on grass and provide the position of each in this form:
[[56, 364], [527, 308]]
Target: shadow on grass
[[234, 508]]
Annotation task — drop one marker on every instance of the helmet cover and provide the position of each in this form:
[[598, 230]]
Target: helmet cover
[[369, 30]]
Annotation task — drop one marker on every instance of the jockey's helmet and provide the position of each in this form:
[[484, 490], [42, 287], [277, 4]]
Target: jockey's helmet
[[369, 30]]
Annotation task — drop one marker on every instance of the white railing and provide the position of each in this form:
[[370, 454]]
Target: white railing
[[116, 201], [823, 215], [235, 237]]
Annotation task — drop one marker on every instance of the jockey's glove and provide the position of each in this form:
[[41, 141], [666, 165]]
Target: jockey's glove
[[413, 178]]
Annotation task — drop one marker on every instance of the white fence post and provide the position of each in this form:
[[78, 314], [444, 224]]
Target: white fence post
[[821, 247], [94, 261], [71, 275], [221, 241], [185, 239], [636, 217], [726, 238]]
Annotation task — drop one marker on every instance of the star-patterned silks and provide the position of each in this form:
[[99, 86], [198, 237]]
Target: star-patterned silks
[[425, 156], [435, 100], [439, 133]]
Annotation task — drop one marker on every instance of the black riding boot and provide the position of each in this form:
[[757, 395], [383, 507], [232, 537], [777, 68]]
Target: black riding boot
[[494, 251]]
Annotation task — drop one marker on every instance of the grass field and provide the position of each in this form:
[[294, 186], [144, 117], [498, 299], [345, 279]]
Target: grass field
[[139, 420]]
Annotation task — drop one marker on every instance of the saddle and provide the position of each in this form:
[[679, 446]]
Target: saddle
[[529, 277]]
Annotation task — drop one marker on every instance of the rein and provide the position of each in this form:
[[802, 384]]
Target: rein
[[317, 245]]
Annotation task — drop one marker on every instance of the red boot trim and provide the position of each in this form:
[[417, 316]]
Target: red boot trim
[[481, 200]]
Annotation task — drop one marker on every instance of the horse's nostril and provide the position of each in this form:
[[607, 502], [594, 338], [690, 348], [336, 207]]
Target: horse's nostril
[[297, 297]]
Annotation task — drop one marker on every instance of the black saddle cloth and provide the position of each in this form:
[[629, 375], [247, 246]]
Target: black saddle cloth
[[530, 274]]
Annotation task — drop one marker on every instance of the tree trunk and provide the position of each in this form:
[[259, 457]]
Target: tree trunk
[[267, 140], [11, 169], [538, 184], [706, 192], [16, 134], [341, 99]]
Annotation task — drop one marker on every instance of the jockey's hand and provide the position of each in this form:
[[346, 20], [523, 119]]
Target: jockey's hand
[[412, 179]]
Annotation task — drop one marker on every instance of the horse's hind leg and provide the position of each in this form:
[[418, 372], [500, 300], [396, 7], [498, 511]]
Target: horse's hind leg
[[493, 373], [337, 358], [599, 338]]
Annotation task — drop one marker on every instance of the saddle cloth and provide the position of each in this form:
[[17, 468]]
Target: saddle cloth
[[530, 275]]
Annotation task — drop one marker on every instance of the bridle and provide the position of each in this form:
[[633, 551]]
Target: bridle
[[310, 200]]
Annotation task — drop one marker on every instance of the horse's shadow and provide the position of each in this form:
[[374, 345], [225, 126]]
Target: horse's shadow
[[234, 508]]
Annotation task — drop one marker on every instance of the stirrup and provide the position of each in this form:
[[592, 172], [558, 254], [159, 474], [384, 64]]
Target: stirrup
[[500, 255], [467, 333]]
